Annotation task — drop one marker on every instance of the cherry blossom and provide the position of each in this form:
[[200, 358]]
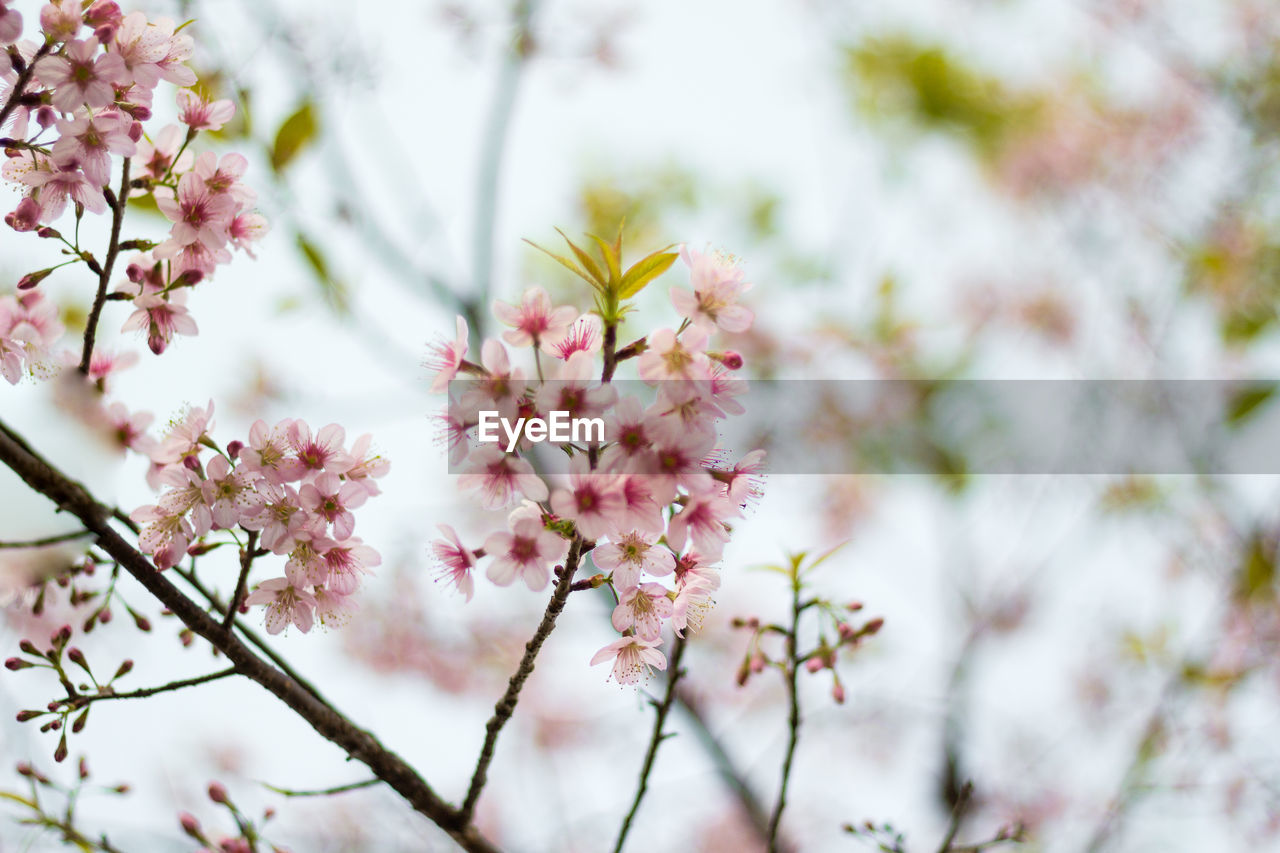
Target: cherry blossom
[[634, 659], [534, 322]]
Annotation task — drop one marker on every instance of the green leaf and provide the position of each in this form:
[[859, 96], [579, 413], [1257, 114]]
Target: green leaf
[[588, 262], [1246, 401], [644, 271], [298, 131], [335, 292], [567, 264], [611, 258]]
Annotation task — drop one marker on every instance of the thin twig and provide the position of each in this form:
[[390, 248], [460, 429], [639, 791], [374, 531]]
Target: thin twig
[[793, 717], [957, 816], [655, 740], [47, 540], [80, 701], [506, 706], [104, 278], [247, 553], [324, 792]]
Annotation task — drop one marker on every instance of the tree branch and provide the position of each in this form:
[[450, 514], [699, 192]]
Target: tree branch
[[324, 792], [359, 744], [507, 704], [247, 553], [793, 717], [47, 540], [655, 740], [81, 700], [20, 85], [104, 278]]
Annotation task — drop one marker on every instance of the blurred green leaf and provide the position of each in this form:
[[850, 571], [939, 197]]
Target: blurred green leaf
[[298, 131], [1247, 400], [335, 291]]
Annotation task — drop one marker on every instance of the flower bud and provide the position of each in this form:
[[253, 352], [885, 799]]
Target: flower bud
[[873, 626], [126, 666], [31, 279], [190, 825], [217, 792], [15, 664], [23, 716], [813, 664], [837, 693], [77, 657]]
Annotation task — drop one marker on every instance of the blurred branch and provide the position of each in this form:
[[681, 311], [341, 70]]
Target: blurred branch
[[495, 143], [247, 553], [47, 540], [655, 740]]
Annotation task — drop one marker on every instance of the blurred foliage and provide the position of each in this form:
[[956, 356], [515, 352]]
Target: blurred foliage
[[1238, 268], [297, 132], [332, 288], [896, 76]]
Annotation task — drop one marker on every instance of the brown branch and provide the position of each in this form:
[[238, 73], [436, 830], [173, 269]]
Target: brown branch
[[957, 817], [247, 553], [72, 497], [655, 740], [56, 539], [104, 278], [507, 704], [80, 700]]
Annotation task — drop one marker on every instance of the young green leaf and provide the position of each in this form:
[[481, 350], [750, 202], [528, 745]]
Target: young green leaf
[[567, 264], [588, 262], [644, 271]]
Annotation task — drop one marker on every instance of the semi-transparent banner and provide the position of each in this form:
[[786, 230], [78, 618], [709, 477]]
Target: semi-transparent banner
[[877, 426]]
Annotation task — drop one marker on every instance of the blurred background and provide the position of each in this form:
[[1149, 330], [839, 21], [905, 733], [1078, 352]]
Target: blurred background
[[993, 189]]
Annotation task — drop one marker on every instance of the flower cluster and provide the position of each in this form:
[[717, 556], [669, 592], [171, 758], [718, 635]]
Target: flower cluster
[[293, 488], [78, 99], [652, 501]]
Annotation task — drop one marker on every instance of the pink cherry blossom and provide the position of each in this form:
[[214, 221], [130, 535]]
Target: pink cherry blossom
[[593, 501], [197, 214], [141, 46], [333, 499], [29, 327], [198, 114], [324, 452], [672, 357], [333, 608], [247, 229], [582, 336], [456, 560], [185, 435], [59, 182], [643, 608], [270, 454], [527, 551], [346, 562], [632, 553], [90, 140], [223, 176], [156, 158], [702, 521], [534, 321], [306, 565], [129, 430], [81, 77], [369, 466], [576, 390], [286, 604], [61, 19], [160, 318], [445, 357], [717, 283], [500, 478], [10, 24], [227, 492], [278, 514], [164, 536], [633, 659]]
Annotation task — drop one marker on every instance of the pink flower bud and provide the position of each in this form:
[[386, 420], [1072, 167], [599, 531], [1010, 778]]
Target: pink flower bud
[[837, 693], [813, 664], [190, 825], [217, 792], [731, 360], [15, 664]]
